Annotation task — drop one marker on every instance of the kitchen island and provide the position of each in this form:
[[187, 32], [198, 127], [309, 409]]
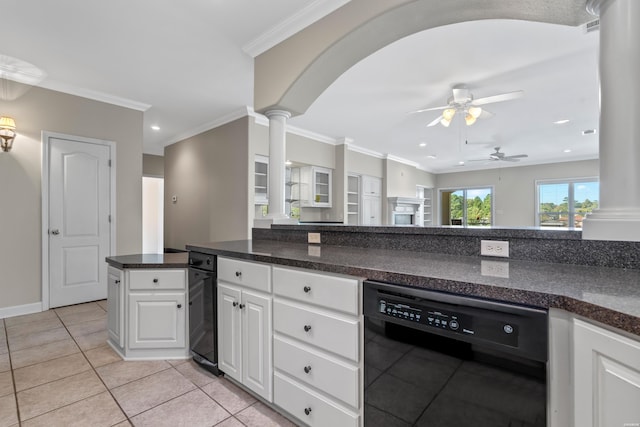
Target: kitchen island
[[594, 314]]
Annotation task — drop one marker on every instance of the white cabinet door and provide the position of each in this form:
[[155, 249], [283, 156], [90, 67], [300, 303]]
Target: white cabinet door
[[229, 356], [157, 320], [606, 378], [256, 343], [371, 186], [115, 308], [371, 211]]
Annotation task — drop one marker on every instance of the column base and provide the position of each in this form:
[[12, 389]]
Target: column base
[[620, 225], [266, 221]]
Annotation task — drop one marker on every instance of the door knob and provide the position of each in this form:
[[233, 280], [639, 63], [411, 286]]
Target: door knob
[[55, 231], [179, 305]]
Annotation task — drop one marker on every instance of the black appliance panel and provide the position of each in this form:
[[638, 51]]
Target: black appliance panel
[[203, 334]]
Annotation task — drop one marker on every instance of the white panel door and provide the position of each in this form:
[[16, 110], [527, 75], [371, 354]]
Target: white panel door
[[79, 229], [229, 341], [256, 343], [606, 378]]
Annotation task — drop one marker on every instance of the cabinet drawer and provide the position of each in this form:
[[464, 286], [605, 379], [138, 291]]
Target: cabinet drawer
[[330, 332], [249, 274], [320, 411], [157, 279], [336, 293], [336, 378]]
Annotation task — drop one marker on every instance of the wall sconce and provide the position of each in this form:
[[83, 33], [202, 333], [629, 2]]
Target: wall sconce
[[7, 133]]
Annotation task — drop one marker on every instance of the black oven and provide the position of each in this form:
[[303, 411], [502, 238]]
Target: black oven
[[203, 334], [436, 359]]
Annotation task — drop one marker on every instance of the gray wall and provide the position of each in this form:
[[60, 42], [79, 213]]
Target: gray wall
[[152, 166], [363, 164], [514, 187], [209, 175], [20, 174]]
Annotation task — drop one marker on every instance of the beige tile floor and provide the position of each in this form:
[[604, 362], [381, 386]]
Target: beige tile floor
[[57, 370]]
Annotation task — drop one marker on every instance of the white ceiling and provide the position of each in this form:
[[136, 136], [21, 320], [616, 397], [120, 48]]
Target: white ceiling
[[188, 65]]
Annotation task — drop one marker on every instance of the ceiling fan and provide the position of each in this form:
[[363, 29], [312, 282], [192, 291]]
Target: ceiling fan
[[500, 156], [462, 101]]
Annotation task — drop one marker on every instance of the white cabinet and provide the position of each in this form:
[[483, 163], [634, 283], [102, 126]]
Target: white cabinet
[[317, 324], [147, 314], [315, 187], [371, 201], [261, 180], [245, 324], [427, 206], [371, 186], [157, 320], [606, 371], [371, 210], [115, 307]]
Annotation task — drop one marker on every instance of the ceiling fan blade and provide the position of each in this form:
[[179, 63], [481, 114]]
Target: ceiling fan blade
[[482, 160], [435, 121], [509, 159], [498, 98], [516, 156], [429, 109]]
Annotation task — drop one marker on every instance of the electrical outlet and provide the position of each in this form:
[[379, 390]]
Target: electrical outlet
[[494, 248], [313, 237], [494, 268]]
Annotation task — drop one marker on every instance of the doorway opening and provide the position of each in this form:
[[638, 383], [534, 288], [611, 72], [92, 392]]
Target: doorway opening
[[468, 207], [152, 215]]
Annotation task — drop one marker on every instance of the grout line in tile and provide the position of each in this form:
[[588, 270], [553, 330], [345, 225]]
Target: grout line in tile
[[13, 377]]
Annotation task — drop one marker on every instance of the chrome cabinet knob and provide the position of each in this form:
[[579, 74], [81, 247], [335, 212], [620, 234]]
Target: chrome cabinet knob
[[307, 411], [307, 328], [307, 369], [55, 232], [307, 289]]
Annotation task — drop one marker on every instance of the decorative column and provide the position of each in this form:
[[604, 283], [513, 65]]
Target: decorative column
[[618, 216], [277, 153]]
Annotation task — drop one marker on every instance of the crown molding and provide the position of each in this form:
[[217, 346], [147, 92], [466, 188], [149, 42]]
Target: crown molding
[[293, 24], [92, 94], [365, 151], [401, 160]]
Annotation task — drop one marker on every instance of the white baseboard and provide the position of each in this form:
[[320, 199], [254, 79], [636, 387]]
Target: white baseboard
[[18, 310]]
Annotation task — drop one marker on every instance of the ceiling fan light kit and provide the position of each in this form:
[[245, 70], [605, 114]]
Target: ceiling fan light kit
[[462, 101]]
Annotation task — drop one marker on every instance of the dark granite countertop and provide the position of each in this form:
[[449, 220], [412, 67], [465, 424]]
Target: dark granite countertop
[[607, 295], [170, 260]]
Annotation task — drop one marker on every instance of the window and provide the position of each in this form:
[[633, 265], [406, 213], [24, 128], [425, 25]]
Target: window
[[565, 203], [467, 207]]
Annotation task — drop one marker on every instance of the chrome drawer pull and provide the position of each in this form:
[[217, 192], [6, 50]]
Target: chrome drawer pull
[[241, 306], [155, 280], [238, 273], [307, 411], [307, 289], [307, 328], [235, 304], [307, 369]]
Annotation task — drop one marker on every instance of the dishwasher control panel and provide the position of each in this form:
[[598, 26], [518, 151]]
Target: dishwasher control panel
[[428, 316], [445, 319]]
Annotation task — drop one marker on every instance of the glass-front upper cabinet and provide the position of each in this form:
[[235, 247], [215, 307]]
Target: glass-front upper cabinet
[[315, 186], [261, 185]]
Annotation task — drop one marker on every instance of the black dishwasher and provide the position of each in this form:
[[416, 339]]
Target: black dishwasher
[[203, 333], [437, 359]]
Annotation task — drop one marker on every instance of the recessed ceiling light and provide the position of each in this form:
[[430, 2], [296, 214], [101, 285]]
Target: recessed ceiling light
[[155, 127], [431, 156], [588, 131], [566, 150], [461, 163], [423, 144], [561, 122]]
